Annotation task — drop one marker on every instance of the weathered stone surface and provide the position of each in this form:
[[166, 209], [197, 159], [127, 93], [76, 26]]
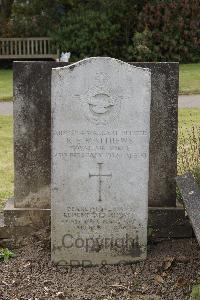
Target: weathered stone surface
[[164, 128], [16, 223], [32, 133], [32, 109], [100, 161], [190, 191], [168, 222], [29, 99], [163, 223], [19, 217], [1, 219]]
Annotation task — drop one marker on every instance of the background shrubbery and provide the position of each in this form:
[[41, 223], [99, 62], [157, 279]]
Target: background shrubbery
[[174, 29], [151, 30]]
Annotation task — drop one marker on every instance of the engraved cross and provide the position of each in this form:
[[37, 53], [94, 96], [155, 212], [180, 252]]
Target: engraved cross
[[100, 175]]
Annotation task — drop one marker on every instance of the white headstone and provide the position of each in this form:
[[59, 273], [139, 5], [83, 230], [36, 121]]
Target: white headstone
[[100, 162]]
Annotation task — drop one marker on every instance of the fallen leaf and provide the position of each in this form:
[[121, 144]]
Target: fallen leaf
[[180, 282], [27, 265], [168, 262], [182, 259], [159, 279]]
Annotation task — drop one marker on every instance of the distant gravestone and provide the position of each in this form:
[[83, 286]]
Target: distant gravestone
[[100, 162]]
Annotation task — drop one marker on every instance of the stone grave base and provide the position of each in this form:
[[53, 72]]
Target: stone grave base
[[18, 222], [163, 223]]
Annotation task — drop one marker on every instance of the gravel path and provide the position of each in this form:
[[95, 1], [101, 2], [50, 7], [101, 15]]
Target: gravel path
[[6, 108], [190, 101]]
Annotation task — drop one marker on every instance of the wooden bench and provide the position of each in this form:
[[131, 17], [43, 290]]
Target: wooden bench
[[28, 48]]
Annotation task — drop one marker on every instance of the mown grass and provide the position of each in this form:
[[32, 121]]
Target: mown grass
[[189, 81], [189, 142], [6, 85], [6, 158], [188, 149]]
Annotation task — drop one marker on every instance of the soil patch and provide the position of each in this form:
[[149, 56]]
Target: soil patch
[[170, 270]]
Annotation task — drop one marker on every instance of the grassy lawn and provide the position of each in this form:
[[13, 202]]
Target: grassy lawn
[[188, 117], [188, 149], [6, 87], [189, 81], [189, 142], [6, 158]]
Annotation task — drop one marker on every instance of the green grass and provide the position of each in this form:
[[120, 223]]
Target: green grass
[[195, 295], [6, 86], [189, 81], [6, 159], [189, 142], [187, 117]]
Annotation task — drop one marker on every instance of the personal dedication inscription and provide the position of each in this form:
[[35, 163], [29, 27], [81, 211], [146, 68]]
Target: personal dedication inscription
[[100, 162]]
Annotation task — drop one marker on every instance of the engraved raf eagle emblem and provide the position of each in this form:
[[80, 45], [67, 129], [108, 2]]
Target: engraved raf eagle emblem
[[101, 101], [100, 104]]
